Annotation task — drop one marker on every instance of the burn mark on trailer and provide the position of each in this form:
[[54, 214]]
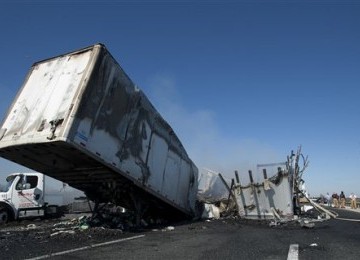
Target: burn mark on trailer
[[126, 120]]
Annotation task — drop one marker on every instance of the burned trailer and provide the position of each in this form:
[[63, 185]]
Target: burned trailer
[[80, 119], [277, 195], [281, 197], [272, 196]]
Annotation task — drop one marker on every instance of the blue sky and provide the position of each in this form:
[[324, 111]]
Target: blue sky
[[241, 82]]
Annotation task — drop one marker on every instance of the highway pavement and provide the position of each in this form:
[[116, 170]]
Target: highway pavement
[[233, 239]]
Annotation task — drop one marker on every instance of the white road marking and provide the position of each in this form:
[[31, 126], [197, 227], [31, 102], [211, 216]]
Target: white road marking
[[349, 219], [293, 252], [85, 247]]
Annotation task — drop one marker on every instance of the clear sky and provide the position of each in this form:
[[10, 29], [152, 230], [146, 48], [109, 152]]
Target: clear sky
[[241, 82]]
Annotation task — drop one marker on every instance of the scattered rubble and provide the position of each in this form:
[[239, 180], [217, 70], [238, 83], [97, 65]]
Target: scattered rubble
[[169, 228]]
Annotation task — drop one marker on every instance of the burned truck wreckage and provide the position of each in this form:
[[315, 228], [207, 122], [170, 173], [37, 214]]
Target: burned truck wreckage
[[280, 198], [80, 119]]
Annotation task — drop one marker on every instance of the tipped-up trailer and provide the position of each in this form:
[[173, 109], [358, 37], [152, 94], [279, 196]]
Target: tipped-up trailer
[[80, 119]]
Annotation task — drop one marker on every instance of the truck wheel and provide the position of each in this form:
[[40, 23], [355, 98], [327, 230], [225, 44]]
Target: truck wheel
[[4, 216]]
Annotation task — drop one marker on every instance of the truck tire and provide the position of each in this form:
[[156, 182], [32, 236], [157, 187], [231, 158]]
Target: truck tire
[[4, 216]]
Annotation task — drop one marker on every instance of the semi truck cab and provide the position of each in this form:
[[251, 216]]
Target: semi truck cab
[[23, 197]]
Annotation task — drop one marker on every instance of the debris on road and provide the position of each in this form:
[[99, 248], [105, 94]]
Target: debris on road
[[306, 223], [63, 232], [31, 226], [169, 228]]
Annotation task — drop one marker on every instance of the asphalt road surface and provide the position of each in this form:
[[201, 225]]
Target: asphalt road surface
[[217, 239], [226, 239]]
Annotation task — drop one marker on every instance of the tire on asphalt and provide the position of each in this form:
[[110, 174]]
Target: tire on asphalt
[[4, 216]]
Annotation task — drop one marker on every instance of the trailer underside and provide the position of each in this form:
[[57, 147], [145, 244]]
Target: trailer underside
[[98, 181]]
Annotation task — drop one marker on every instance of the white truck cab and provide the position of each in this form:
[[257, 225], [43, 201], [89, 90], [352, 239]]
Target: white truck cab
[[24, 197]]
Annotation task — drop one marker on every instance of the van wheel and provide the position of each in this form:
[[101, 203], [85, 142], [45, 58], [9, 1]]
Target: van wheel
[[4, 216]]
